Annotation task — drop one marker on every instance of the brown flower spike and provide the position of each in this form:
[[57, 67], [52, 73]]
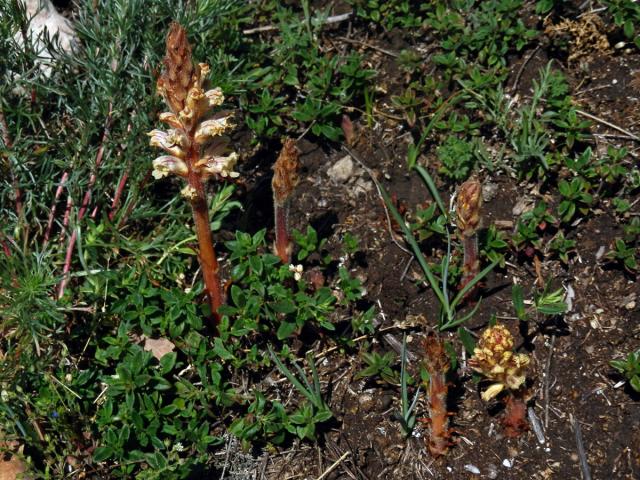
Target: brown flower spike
[[195, 146], [437, 364], [468, 213], [285, 179]]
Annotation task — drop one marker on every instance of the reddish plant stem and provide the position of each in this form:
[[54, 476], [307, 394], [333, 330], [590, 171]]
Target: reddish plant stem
[[283, 244], [84, 206], [118, 194], [440, 433], [207, 254], [66, 217], [6, 138], [52, 213], [471, 263]]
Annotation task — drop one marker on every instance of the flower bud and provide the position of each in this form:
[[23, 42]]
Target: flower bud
[[468, 207]]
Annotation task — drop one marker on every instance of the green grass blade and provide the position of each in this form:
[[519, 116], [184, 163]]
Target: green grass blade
[[433, 282], [433, 190], [472, 284]]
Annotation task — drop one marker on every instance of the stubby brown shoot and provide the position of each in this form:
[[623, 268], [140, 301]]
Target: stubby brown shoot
[[285, 179]]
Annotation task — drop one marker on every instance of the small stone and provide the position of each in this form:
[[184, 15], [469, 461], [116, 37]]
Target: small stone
[[489, 191], [492, 472], [342, 170], [631, 305], [619, 45], [507, 463], [472, 468]]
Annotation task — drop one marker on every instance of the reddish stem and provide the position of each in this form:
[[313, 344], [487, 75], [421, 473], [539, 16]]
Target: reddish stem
[[283, 244], [66, 217], [207, 254], [116, 198], [52, 213], [471, 264], [84, 206]]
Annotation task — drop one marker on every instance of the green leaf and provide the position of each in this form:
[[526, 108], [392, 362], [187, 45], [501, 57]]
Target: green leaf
[[100, 454], [285, 330], [283, 306], [518, 302], [167, 362], [467, 340]]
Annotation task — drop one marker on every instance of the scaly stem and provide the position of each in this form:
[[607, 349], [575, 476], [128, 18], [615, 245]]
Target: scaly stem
[[283, 244], [207, 255], [471, 264]]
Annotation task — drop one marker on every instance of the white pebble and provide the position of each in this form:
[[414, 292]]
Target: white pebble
[[507, 463], [472, 468]]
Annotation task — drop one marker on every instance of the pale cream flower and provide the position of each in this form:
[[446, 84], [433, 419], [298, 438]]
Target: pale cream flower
[[166, 164], [214, 97], [222, 166], [172, 142], [189, 192], [212, 128]]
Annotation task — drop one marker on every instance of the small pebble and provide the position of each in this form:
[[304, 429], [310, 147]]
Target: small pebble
[[507, 463], [342, 170], [492, 471], [631, 305], [472, 468]]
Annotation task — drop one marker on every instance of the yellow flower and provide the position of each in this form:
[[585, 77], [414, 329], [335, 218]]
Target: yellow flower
[[494, 358]]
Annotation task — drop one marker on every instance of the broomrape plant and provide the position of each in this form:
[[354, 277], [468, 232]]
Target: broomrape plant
[[195, 144]]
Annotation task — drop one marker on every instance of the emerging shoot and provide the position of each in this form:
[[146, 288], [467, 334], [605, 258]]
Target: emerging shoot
[[195, 146], [285, 179]]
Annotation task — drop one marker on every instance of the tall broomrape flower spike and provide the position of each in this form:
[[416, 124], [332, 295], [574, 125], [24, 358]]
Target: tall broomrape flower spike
[[285, 179], [195, 146], [468, 212], [437, 364], [494, 358]]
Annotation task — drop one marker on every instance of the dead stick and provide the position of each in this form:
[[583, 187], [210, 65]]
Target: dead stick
[[334, 465], [584, 466], [609, 124], [547, 368], [85, 204], [368, 45], [52, 212], [269, 28]]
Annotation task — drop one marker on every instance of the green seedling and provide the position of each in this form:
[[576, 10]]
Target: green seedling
[[630, 368], [379, 366], [305, 420], [562, 246], [576, 198], [544, 303], [406, 416], [624, 254]]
